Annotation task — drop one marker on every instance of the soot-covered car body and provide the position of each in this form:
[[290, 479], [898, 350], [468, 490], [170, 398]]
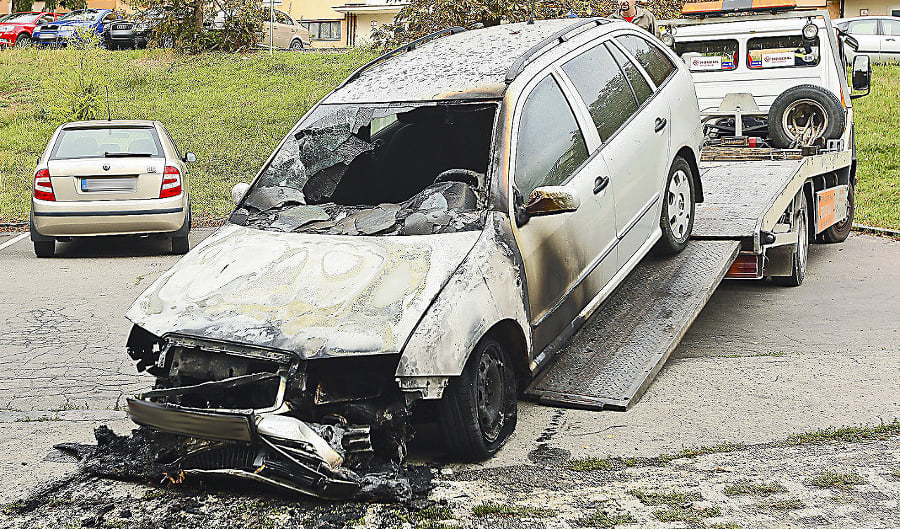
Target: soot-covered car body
[[420, 242]]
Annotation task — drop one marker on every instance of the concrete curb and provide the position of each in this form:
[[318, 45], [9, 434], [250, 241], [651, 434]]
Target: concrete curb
[[876, 230]]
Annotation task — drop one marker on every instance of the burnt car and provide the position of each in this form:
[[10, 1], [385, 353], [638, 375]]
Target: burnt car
[[417, 247]]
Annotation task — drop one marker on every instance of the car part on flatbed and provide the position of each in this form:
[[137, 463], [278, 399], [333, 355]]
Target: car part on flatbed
[[805, 115], [263, 444], [633, 333]]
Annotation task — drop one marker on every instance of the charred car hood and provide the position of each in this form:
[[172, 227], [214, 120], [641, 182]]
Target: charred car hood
[[314, 295]]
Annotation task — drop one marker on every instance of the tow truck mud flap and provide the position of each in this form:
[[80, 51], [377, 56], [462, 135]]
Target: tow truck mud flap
[[612, 360]]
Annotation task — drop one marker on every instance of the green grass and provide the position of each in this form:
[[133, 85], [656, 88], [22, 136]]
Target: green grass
[[231, 110], [786, 504], [847, 434], [721, 448], [519, 511], [586, 464], [601, 519], [686, 514], [674, 499], [756, 489], [878, 173], [837, 479]]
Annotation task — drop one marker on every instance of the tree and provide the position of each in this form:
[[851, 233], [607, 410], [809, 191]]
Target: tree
[[422, 17], [195, 25], [22, 5]]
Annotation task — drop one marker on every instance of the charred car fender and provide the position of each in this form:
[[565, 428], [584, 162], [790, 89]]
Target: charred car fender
[[487, 288]]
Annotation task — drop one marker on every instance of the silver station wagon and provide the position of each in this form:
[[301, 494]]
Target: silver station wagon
[[119, 177], [415, 245]]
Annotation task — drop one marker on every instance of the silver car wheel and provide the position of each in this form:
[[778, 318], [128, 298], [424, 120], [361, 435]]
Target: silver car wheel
[[678, 201]]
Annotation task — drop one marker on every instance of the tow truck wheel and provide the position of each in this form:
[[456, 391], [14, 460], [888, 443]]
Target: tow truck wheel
[[677, 217], [801, 251], [804, 115], [840, 231], [478, 410]]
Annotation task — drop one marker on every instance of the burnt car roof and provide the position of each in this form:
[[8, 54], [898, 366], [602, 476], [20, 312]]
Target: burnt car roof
[[466, 65]]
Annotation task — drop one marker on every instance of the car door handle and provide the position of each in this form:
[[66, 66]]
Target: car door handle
[[600, 184], [660, 124], [891, 40]]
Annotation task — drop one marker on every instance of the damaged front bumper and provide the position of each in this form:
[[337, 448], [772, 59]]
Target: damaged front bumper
[[265, 445]]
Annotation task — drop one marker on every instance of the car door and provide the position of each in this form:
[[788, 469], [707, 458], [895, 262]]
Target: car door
[[638, 153], [890, 43], [563, 253], [866, 34]]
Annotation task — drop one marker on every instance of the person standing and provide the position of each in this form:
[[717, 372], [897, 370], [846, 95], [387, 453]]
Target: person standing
[[639, 16]]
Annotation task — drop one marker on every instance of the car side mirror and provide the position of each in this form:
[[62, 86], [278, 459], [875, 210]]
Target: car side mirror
[[190, 157], [238, 192], [862, 75], [549, 200]]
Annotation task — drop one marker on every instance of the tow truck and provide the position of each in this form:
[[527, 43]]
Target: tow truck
[[778, 170]]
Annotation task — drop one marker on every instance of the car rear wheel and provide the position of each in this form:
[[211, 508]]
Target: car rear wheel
[[44, 248], [478, 410], [677, 217]]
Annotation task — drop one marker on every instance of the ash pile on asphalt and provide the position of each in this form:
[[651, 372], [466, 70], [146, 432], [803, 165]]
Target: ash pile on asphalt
[[149, 456]]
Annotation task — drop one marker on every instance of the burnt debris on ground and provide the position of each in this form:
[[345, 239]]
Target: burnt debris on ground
[[150, 456]]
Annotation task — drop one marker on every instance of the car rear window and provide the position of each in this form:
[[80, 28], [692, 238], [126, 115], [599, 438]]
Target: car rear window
[[100, 143], [781, 52], [709, 55]]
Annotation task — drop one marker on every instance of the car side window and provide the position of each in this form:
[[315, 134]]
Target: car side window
[[863, 27], [657, 64], [890, 27], [603, 88], [550, 146], [639, 85]]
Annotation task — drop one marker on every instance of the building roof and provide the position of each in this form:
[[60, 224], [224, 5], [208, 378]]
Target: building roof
[[470, 65]]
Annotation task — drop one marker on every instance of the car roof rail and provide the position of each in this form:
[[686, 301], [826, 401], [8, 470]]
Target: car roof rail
[[402, 49], [545, 45]]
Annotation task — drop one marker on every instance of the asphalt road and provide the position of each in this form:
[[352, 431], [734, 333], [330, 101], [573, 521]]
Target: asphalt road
[[761, 362]]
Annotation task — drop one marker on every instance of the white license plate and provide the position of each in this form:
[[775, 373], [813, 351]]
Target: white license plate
[[121, 184]]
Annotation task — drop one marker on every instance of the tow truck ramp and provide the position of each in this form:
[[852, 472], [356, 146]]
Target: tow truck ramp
[[612, 360]]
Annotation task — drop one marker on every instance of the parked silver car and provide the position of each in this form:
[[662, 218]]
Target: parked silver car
[[420, 243], [117, 177], [878, 37]]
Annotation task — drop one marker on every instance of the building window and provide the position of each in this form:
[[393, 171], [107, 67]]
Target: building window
[[327, 30]]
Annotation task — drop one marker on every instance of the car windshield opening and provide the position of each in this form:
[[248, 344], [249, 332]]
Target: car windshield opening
[[106, 143], [708, 55], [783, 51], [407, 169]]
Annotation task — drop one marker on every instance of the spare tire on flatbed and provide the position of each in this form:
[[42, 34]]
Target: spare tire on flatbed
[[796, 106]]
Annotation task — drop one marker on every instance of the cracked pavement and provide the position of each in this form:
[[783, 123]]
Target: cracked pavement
[[759, 364]]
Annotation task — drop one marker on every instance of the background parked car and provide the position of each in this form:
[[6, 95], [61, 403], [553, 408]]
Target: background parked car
[[133, 32], [76, 24], [878, 37], [16, 28], [110, 178], [284, 33]]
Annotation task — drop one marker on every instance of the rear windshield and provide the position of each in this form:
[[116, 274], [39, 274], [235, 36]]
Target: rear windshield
[[111, 142], [708, 55], [783, 51]]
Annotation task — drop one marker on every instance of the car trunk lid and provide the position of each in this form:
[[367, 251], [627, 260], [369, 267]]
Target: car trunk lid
[[113, 178]]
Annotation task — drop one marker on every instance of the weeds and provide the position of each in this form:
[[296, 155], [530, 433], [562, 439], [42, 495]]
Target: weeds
[[602, 519], [786, 504], [702, 451], [42, 418], [673, 499], [519, 511], [586, 464], [836, 479], [847, 434], [686, 514], [756, 489]]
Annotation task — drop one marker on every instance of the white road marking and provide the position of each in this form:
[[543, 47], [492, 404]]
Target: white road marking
[[12, 241]]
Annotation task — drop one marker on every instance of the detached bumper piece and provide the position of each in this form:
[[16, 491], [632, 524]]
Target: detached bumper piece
[[263, 445]]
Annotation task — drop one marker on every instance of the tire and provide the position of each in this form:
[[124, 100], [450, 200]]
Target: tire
[[801, 252], [296, 45], [478, 411], [800, 103], [45, 248], [23, 40], [840, 231], [677, 215], [180, 244]]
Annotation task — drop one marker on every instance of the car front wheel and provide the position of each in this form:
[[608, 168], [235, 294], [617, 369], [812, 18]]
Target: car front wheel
[[478, 410], [677, 216], [296, 45]]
